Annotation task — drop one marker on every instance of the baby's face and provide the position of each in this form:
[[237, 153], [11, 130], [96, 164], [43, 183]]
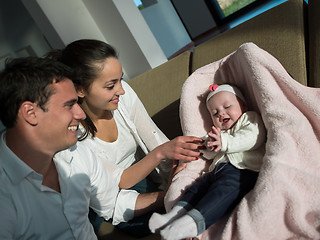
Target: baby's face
[[225, 109]]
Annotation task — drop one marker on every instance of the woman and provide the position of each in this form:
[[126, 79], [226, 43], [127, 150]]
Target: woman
[[117, 127]]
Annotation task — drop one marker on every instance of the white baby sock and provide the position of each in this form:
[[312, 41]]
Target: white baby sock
[[158, 221], [184, 227]]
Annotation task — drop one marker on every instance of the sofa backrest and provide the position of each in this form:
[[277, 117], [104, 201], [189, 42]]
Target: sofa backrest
[[280, 31], [159, 90], [314, 43]]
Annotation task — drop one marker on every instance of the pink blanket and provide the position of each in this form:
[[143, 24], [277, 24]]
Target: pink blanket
[[285, 203]]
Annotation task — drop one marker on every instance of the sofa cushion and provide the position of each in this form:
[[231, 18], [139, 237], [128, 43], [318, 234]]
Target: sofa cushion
[[168, 120], [280, 31], [159, 90], [314, 43]]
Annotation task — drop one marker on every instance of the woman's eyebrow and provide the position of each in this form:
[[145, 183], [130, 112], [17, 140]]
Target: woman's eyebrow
[[114, 80]]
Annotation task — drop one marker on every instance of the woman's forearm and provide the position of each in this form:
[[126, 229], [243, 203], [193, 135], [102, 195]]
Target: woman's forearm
[[148, 202], [140, 170]]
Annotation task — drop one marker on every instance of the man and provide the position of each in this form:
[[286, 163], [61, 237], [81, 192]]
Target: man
[[45, 195]]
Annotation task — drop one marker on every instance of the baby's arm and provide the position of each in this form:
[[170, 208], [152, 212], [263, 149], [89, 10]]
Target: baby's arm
[[212, 143], [249, 134]]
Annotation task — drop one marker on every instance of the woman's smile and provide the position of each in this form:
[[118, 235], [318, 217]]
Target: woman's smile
[[115, 100]]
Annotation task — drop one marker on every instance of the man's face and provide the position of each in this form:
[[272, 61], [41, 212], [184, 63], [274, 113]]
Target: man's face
[[58, 125]]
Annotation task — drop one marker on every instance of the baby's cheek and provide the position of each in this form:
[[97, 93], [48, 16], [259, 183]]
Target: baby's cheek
[[217, 124]]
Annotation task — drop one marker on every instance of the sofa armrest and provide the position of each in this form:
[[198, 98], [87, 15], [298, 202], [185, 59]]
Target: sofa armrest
[[314, 43]]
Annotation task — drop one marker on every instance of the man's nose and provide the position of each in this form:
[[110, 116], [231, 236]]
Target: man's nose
[[78, 113]]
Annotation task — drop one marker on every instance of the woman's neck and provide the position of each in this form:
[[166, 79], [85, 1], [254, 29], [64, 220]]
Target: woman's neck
[[106, 127], [96, 114]]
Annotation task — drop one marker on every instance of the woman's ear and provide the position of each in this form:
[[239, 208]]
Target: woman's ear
[[28, 112], [81, 93]]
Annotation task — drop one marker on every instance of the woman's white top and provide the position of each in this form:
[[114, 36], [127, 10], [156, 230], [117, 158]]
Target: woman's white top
[[135, 129], [120, 152]]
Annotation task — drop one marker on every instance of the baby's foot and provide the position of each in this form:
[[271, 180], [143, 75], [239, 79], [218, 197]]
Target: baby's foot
[[158, 221]]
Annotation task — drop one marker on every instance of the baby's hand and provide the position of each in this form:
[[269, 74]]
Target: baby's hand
[[215, 135]]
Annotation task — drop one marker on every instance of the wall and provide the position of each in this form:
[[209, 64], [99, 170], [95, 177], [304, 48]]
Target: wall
[[118, 23], [195, 15], [19, 35], [166, 26]]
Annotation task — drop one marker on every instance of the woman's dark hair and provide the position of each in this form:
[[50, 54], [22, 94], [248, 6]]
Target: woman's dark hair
[[28, 79], [86, 57]]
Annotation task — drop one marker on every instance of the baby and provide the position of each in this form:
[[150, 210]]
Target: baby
[[236, 146]]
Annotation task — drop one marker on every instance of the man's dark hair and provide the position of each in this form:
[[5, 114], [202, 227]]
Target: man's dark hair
[[28, 79]]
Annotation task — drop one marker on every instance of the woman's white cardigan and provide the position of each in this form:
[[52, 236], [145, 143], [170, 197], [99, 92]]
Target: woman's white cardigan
[[148, 136]]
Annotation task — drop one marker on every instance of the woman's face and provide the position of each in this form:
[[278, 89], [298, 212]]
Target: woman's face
[[103, 94]]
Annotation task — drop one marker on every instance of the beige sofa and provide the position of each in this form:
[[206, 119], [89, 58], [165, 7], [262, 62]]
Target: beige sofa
[[289, 32]]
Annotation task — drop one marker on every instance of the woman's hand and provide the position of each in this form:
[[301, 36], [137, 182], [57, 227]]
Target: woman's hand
[[184, 148], [181, 148]]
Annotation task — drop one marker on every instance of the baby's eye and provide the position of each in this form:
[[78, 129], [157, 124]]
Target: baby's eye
[[228, 106]]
